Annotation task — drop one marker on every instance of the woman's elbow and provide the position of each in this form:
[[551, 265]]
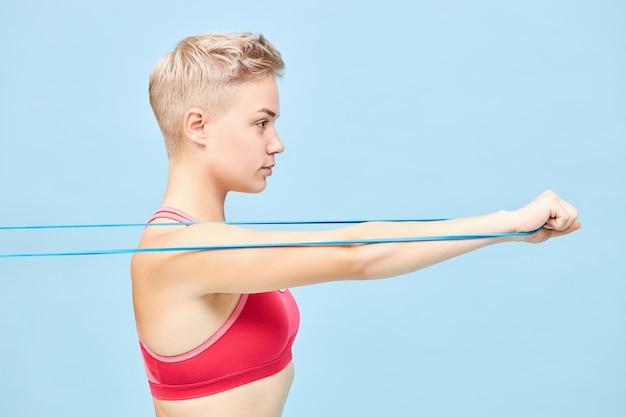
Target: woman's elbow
[[368, 262]]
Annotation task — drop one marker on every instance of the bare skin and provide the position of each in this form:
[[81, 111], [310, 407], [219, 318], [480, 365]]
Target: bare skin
[[181, 298]]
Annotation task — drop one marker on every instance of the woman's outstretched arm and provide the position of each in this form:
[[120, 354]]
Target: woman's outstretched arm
[[263, 269]]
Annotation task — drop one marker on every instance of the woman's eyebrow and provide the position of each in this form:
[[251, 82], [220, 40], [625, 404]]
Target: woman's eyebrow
[[269, 112]]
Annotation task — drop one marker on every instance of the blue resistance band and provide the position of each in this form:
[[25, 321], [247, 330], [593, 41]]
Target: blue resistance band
[[236, 223], [244, 246]]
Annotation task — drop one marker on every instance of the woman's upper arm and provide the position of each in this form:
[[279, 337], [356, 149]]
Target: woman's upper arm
[[247, 270]]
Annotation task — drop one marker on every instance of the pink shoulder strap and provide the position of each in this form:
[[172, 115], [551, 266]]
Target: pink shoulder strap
[[172, 214]]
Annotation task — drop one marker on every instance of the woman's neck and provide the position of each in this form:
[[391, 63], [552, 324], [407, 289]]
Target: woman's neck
[[191, 192]]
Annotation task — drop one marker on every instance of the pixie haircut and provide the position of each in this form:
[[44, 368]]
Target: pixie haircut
[[202, 71]]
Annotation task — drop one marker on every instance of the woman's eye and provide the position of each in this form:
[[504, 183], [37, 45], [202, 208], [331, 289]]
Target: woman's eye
[[262, 124]]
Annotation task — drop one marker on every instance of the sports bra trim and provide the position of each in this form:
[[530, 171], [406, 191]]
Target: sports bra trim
[[180, 216], [206, 344]]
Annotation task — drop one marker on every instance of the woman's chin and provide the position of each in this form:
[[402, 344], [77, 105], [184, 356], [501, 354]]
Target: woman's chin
[[253, 189]]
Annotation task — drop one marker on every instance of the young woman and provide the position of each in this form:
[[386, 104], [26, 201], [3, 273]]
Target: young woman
[[216, 326]]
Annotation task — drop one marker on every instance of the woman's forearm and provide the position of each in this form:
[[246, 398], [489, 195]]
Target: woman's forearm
[[390, 259]]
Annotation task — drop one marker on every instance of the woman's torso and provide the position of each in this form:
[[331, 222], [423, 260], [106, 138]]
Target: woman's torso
[[172, 320]]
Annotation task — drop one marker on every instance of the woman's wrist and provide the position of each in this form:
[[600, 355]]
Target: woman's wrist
[[508, 223]]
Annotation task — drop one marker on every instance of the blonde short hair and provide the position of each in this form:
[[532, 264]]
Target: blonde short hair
[[201, 72]]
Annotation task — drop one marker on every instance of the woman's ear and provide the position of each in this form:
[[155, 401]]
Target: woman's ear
[[194, 121]]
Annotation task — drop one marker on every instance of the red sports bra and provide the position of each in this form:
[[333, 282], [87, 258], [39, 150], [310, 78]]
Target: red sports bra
[[254, 343]]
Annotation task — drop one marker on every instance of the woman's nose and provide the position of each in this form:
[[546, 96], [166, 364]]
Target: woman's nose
[[275, 145]]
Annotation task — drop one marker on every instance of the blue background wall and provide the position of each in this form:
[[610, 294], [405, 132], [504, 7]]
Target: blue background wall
[[389, 109]]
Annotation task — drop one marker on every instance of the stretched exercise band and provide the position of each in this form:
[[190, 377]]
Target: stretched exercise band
[[245, 246], [235, 223]]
